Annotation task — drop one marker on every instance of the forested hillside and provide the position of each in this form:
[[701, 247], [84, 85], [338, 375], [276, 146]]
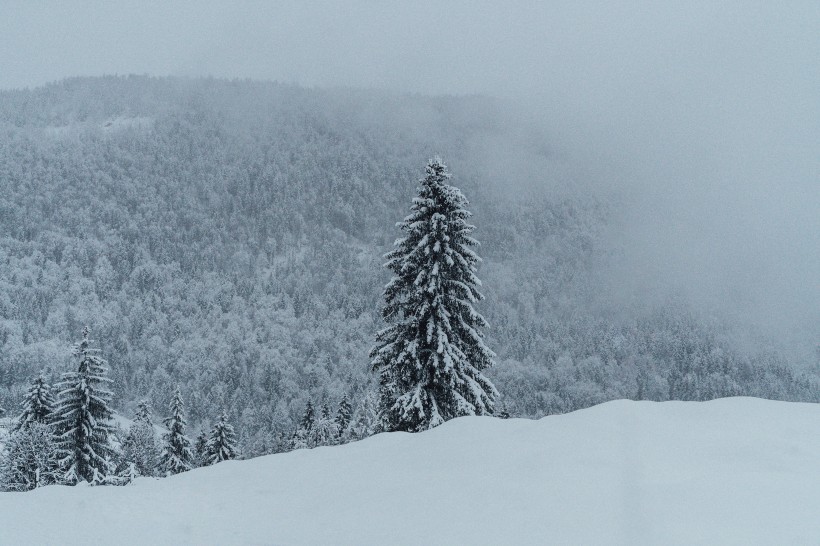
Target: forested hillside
[[227, 237]]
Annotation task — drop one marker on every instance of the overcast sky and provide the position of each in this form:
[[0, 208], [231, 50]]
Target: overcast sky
[[707, 112], [588, 48]]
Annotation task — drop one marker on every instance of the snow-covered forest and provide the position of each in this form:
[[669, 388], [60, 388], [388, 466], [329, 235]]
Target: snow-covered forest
[[227, 237]]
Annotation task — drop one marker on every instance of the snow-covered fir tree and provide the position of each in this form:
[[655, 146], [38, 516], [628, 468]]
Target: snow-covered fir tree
[[30, 458], [201, 449], [343, 415], [139, 450], [365, 420], [176, 452], [143, 413], [430, 356], [325, 431], [309, 417], [504, 413], [299, 439], [83, 417], [303, 435], [221, 442], [38, 405], [140, 447], [126, 473]]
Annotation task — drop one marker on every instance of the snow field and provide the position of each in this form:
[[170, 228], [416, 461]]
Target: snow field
[[730, 471]]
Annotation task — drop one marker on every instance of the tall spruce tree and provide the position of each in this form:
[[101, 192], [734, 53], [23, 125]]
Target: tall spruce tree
[[37, 406], [176, 454], [83, 418], [222, 442], [430, 356]]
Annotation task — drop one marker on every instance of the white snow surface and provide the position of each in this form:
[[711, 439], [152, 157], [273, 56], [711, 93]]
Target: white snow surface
[[730, 471]]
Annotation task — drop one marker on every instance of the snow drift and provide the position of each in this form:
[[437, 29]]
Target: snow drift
[[730, 471]]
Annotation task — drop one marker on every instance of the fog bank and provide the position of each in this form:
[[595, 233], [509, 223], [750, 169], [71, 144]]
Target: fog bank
[[699, 122]]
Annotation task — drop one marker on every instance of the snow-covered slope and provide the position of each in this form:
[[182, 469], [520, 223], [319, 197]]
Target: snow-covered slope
[[731, 471]]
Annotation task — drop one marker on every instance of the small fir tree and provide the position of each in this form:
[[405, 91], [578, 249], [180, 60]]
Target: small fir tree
[[83, 417], [299, 439], [125, 474], [505, 412], [430, 356], [343, 415], [176, 454], [222, 442], [143, 413], [303, 435], [365, 420], [325, 431], [38, 405], [140, 448], [201, 448], [30, 458], [309, 418]]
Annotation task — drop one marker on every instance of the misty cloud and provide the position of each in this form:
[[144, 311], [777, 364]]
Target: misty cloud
[[702, 119]]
